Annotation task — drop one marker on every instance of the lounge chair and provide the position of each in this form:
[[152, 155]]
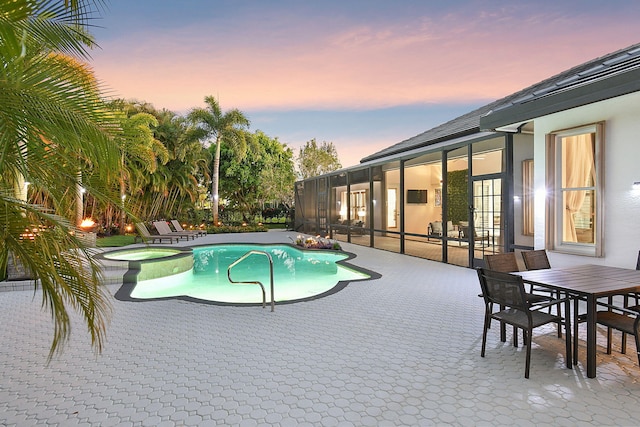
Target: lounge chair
[[146, 236], [179, 229], [163, 228]]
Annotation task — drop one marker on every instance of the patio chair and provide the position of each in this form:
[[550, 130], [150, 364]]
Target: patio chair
[[163, 228], [506, 291], [435, 229], [635, 296], [179, 229], [538, 260], [507, 263], [484, 239], [635, 307], [146, 236], [622, 319], [581, 318]]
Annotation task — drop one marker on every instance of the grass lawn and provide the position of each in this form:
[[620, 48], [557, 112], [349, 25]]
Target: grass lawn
[[276, 226], [115, 241]]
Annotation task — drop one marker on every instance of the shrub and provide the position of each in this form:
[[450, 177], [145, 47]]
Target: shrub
[[236, 229]]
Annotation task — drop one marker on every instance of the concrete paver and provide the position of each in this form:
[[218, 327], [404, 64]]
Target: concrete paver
[[400, 350]]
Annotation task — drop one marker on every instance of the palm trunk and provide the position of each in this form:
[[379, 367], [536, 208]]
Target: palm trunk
[[79, 200], [123, 216], [122, 197], [214, 184]]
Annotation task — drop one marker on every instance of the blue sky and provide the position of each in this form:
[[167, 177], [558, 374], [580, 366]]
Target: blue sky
[[361, 74]]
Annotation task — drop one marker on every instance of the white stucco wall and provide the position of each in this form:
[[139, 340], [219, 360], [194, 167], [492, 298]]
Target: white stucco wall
[[622, 168]]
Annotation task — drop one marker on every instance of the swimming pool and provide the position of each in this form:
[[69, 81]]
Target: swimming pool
[[298, 275]]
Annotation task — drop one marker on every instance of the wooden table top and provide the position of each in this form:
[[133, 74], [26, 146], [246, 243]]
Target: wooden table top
[[588, 279]]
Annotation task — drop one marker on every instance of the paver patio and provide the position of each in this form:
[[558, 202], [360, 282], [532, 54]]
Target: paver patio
[[400, 350]]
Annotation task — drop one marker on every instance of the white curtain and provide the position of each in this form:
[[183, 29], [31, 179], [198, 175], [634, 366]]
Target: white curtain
[[579, 171]]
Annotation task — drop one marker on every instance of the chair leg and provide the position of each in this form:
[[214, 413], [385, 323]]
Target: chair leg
[[575, 330], [556, 295], [638, 346], [503, 329], [609, 335], [624, 335], [487, 323], [528, 359]]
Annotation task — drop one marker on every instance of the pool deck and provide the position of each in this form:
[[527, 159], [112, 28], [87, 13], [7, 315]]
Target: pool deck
[[403, 349]]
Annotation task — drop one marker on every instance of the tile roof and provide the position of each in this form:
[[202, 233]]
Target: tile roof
[[611, 75], [464, 125]]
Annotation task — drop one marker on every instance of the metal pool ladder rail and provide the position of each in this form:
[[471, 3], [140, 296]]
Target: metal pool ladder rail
[[242, 258]]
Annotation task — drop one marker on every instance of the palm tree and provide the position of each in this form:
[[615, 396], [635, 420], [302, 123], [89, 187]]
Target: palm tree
[[173, 189], [52, 125], [228, 128], [140, 153]]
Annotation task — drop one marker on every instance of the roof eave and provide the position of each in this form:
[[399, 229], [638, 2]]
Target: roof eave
[[419, 145], [600, 90]]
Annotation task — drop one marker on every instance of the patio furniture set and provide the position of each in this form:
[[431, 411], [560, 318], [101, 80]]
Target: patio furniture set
[[553, 289], [461, 232]]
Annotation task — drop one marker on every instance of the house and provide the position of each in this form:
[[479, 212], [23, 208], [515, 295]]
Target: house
[[552, 166]]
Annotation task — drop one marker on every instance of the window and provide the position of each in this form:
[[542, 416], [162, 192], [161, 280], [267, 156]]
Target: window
[[574, 168], [527, 197]]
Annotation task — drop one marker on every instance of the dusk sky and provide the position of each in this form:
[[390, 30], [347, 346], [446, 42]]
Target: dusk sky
[[361, 74]]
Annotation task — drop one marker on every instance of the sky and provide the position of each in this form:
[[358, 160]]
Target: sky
[[362, 74]]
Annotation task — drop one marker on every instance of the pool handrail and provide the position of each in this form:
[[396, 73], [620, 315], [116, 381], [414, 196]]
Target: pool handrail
[[242, 258]]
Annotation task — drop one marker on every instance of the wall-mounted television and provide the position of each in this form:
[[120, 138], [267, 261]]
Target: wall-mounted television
[[416, 196]]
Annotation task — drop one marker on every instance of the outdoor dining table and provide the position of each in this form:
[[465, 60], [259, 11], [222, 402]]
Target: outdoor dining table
[[587, 282]]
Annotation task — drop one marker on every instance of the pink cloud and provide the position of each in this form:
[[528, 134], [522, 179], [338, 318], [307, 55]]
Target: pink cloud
[[457, 58]]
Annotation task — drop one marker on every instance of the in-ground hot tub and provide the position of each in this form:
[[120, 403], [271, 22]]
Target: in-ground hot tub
[[151, 262]]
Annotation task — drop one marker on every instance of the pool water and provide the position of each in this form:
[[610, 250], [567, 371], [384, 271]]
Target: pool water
[[298, 275], [138, 255]]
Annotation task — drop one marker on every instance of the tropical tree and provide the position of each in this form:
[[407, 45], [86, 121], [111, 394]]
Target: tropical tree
[[278, 174], [176, 186], [264, 175], [140, 154], [52, 126], [216, 128], [240, 179], [314, 159]]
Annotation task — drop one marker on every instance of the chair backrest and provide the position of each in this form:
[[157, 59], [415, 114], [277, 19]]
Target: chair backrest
[[436, 227], [467, 231], [177, 225], [142, 229], [536, 260], [503, 289], [505, 262], [162, 227]]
